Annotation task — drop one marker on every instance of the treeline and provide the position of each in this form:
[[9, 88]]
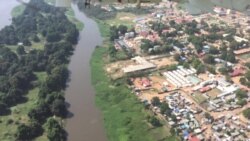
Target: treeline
[[17, 69]]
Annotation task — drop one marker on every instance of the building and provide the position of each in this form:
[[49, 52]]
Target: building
[[142, 65], [119, 43]]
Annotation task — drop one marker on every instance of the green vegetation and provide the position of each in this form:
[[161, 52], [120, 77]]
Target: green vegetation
[[71, 16], [122, 18], [33, 77], [246, 113], [199, 98], [125, 117], [18, 10]]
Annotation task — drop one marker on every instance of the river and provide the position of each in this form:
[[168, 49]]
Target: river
[[6, 7], [86, 123]]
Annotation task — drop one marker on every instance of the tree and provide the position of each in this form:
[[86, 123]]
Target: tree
[[195, 62], [165, 108], [36, 39], [112, 51], [4, 109], [58, 108], [55, 131], [246, 113], [186, 65], [26, 42], [214, 50], [247, 75], [20, 50], [167, 48], [247, 64], [146, 45], [209, 59], [241, 94], [201, 69], [29, 132], [155, 122], [23, 132], [155, 101], [231, 57], [241, 102], [243, 81], [223, 70], [177, 57], [123, 29], [53, 37], [40, 113], [211, 69]]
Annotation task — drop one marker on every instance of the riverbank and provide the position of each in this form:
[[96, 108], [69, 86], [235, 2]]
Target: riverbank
[[125, 117]]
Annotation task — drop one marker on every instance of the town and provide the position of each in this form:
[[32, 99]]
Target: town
[[193, 70]]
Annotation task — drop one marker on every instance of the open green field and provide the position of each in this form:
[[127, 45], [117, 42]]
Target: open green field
[[123, 18], [199, 98], [71, 16], [18, 10]]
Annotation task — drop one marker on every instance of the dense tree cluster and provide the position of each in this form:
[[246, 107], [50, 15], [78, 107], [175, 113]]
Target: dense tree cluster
[[246, 113], [36, 19], [17, 69], [115, 31]]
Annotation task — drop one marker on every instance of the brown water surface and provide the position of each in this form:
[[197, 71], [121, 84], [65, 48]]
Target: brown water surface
[[86, 121]]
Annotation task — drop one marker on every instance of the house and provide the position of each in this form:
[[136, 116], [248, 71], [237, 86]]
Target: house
[[236, 72], [119, 43], [145, 82]]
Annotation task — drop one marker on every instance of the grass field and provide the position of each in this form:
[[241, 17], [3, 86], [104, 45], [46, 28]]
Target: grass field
[[123, 18], [199, 98]]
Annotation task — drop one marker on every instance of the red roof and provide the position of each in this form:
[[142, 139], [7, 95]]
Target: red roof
[[204, 89], [144, 33], [146, 83], [236, 72], [192, 138]]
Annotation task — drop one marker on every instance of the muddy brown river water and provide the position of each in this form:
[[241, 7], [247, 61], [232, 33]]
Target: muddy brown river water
[[86, 121]]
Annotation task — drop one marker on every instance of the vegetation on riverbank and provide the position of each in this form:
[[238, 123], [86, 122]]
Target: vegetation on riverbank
[[125, 117], [71, 16], [18, 10], [33, 74]]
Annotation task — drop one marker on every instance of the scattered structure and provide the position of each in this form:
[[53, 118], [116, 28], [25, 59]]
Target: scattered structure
[[142, 65]]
